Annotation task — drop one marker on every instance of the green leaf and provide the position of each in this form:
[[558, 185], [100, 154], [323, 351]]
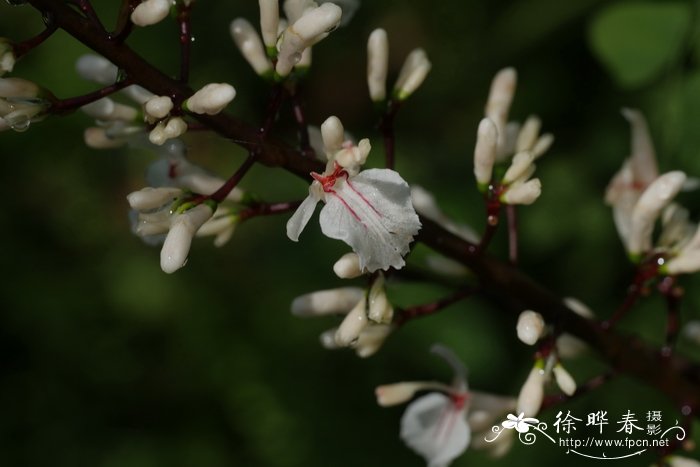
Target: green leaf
[[636, 41]]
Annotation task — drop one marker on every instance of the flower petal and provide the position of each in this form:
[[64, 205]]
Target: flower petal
[[435, 429], [301, 217], [372, 212]]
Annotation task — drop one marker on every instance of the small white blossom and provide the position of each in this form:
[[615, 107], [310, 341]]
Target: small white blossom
[[530, 327], [150, 198], [523, 192], [211, 99], [248, 42], [498, 104], [434, 425], [333, 136], [354, 323], [150, 12], [377, 64], [412, 74], [485, 152], [370, 210]]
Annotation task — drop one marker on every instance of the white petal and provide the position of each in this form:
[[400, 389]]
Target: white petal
[[301, 217], [643, 157], [372, 213], [434, 428]]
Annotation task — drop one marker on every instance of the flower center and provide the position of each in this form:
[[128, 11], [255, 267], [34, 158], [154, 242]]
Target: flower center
[[328, 181]]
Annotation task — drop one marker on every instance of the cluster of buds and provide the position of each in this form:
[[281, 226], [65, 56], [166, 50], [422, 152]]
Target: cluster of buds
[[640, 196], [412, 74], [499, 141], [439, 425], [20, 104], [368, 313], [286, 44]]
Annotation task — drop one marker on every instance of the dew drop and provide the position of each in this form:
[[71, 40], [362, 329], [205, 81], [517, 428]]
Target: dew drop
[[192, 39], [492, 220], [19, 124]]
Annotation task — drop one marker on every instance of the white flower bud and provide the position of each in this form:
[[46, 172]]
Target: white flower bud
[[97, 69], [269, 19], [353, 324], [542, 145], [327, 302], [295, 9], [157, 135], [380, 310], [398, 393], [643, 156], [107, 110], [692, 331], [530, 327], [656, 197], [150, 12], [578, 307], [377, 64], [152, 198], [327, 339], [353, 157], [175, 127], [678, 461], [222, 226], [248, 42], [348, 266], [371, 339], [569, 346], [177, 244], [520, 166], [528, 134], [17, 87], [97, 138], [532, 392], [211, 99], [312, 27], [523, 192], [500, 99], [333, 136], [485, 152], [7, 57], [158, 107], [412, 74], [564, 380], [138, 94], [686, 262]]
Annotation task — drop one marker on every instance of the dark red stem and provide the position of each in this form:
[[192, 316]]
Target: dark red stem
[[512, 216], [386, 126], [265, 209], [431, 308], [183, 19], [24, 47], [674, 296], [62, 106], [302, 124]]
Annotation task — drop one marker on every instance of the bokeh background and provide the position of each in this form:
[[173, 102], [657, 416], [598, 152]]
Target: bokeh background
[[106, 361]]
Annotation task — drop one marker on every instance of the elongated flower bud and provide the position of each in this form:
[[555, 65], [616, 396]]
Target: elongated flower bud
[[523, 192], [564, 380], [532, 392], [485, 152], [353, 324], [527, 137], [97, 69], [500, 99], [657, 196], [643, 156], [521, 164], [152, 198], [269, 19], [371, 339], [412, 74], [327, 302], [150, 12], [348, 266], [211, 99], [333, 135], [17, 87], [248, 42], [177, 244], [380, 310], [377, 64], [398, 393], [7, 56]]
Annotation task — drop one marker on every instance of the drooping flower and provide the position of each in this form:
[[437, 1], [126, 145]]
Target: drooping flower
[[434, 425], [370, 210]]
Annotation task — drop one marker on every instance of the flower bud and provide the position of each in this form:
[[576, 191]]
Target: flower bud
[[412, 74], [150, 198], [380, 310], [353, 324], [177, 244], [353, 157], [377, 64], [97, 138], [692, 331], [371, 339], [158, 107], [150, 12], [269, 19], [248, 42], [519, 167], [523, 192], [107, 110], [138, 94], [397, 393], [327, 339], [327, 302], [485, 152], [678, 461], [656, 197], [500, 99], [348, 266], [564, 380], [97, 69], [527, 137], [643, 156], [17, 87], [530, 327], [542, 145], [532, 392], [7, 57], [211, 99], [578, 307], [333, 136], [313, 26]]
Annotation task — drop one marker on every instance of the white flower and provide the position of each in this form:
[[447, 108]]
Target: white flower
[[434, 425], [377, 64], [370, 211], [530, 327], [211, 99], [313, 26], [150, 12]]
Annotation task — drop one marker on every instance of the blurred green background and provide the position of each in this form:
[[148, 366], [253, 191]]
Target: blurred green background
[[106, 361]]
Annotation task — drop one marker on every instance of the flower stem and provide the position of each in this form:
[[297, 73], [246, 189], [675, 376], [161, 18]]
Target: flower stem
[[673, 295], [24, 47], [62, 106], [183, 18], [386, 126], [512, 216], [300, 117], [124, 25], [431, 308], [267, 209]]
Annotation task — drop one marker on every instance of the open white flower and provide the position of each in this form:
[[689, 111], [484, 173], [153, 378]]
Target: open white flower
[[433, 425], [371, 210]]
